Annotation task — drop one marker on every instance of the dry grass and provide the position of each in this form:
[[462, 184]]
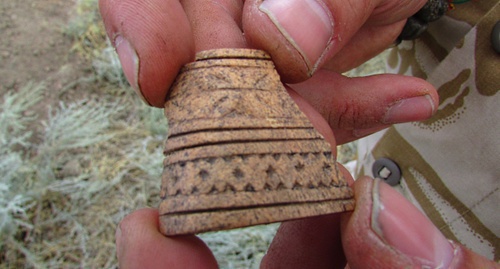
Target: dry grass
[[64, 189], [66, 181]]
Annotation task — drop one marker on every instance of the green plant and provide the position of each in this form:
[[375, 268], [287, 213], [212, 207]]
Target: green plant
[[15, 142]]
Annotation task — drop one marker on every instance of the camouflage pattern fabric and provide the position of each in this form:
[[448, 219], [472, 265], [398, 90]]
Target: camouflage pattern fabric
[[450, 163]]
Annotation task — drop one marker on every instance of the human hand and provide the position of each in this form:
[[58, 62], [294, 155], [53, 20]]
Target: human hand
[[301, 35], [155, 38], [384, 231]]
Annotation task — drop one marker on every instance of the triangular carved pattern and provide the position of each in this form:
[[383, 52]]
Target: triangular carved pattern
[[251, 173]]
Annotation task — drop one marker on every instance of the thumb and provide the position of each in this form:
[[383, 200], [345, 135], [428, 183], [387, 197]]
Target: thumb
[[387, 231], [303, 35]]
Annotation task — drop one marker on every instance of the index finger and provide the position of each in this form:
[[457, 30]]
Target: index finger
[[153, 39]]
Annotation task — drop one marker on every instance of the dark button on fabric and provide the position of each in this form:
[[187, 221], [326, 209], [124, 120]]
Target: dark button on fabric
[[387, 170], [495, 37]]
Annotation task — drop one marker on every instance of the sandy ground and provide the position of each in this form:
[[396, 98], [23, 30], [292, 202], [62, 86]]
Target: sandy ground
[[34, 48]]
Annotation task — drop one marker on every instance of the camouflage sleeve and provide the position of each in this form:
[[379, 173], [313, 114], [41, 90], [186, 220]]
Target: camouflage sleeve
[[449, 163]]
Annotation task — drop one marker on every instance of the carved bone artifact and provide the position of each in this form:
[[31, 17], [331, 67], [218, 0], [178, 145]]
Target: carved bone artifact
[[240, 152]]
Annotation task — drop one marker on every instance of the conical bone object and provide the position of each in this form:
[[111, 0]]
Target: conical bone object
[[240, 152]]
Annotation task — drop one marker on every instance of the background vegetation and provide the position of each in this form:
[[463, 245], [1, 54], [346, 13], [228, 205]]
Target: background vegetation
[[70, 174]]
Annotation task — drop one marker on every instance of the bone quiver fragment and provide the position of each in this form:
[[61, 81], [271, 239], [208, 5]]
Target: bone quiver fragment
[[240, 152]]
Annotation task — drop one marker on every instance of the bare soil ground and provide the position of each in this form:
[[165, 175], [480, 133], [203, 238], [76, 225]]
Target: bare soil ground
[[74, 203], [34, 48]]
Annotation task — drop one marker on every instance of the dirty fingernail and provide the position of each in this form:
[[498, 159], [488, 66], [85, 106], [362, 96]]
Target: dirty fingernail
[[402, 226], [306, 24], [129, 61], [411, 109]]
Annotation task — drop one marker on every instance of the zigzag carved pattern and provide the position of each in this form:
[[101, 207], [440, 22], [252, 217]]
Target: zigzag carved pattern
[[251, 173]]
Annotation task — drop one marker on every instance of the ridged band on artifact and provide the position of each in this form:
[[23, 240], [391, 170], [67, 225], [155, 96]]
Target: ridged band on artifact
[[245, 149], [229, 200], [213, 137], [198, 125], [232, 53], [230, 219], [228, 62], [260, 172]]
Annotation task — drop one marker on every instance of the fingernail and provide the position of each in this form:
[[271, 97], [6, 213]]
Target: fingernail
[[306, 24], [411, 109], [402, 226], [129, 61]]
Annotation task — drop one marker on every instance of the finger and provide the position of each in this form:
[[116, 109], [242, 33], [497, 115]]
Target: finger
[[215, 24], [387, 231], [345, 136], [319, 123], [140, 245], [368, 42], [153, 40], [307, 243], [369, 102], [387, 12], [378, 33], [302, 35]]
